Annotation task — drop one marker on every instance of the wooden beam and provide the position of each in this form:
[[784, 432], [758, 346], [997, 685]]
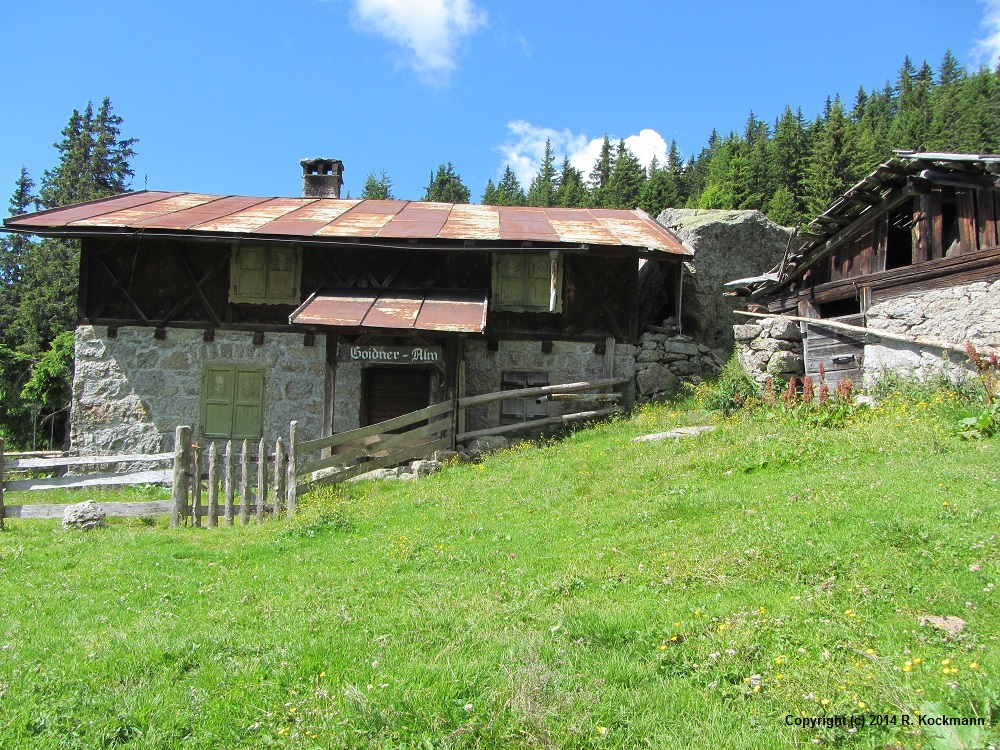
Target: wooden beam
[[179, 255], [583, 385], [223, 262], [534, 424], [865, 331]]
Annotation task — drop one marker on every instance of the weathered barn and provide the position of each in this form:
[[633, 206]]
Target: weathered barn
[[237, 314], [911, 251]]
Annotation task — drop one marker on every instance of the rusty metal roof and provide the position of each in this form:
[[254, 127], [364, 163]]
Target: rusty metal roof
[[325, 219], [451, 312]]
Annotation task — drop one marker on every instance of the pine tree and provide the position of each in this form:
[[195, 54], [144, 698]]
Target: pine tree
[[542, 191], [624, 186], [786, 158], [14, 247], [571, 192], [489, 194], [378, 188], [832, 162], [509, 190], [446, 186], [601, 173], [660, 190]]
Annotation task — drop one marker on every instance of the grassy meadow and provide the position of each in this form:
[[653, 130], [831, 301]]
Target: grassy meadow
[[587, 593]]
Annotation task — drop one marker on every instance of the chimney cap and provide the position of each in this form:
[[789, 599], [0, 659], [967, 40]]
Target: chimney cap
[[322, 166]]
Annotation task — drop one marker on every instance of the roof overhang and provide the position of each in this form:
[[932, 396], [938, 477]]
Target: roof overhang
[[378, 309]]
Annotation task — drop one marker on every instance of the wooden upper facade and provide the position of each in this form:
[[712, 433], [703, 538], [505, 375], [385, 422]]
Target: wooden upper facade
[[236, 262]]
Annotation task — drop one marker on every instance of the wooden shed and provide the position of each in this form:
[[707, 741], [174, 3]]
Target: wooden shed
[[911, 251]]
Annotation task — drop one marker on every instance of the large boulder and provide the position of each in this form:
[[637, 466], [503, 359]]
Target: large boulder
[[728, 245]]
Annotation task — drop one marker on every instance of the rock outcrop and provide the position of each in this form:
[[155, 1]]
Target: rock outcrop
[[728, 245]]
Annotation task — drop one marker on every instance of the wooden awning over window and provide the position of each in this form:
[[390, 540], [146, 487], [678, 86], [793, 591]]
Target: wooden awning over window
[[449, 312]]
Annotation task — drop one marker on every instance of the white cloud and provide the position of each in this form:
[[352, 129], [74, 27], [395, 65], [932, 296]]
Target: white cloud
[[429, 30], [987, 48], [525, 148]]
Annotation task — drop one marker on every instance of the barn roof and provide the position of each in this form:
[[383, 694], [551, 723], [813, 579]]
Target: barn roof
[[372, 222], [869, 197]]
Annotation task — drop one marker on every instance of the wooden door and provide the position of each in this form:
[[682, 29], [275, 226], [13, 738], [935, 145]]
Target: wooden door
[[393, 391]]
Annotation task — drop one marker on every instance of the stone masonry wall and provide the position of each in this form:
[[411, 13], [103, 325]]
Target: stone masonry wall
[[770, 347], [568, 362], [667, 359], [131, 392], [967, 312]]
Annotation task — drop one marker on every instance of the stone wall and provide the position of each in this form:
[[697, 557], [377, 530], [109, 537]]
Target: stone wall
[[770, 347], [568, 362], [132, 391], [666, 359], [967, 312]]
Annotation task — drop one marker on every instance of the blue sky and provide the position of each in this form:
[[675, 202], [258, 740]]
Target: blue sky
[[226, 97]]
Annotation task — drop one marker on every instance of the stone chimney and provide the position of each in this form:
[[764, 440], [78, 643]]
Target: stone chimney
[[321, 178]]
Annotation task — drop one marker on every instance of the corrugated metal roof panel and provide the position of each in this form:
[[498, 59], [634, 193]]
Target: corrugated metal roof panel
[[326, 217], [134, 216], [254, 217], [451, 312], [472, 222]]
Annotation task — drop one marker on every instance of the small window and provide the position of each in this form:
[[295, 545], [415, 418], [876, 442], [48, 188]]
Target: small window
[[232, 402], [516, 410], [265, 275], [523, 283]]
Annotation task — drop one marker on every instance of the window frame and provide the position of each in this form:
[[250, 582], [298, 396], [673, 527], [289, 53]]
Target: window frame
[[523, 301], [267, 297]]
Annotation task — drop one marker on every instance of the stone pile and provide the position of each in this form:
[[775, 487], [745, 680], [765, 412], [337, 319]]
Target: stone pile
[[665, 359], [770, 347]]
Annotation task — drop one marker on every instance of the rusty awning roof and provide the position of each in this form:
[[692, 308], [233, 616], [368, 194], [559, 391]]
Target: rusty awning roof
[[334, 220], [445, 312]]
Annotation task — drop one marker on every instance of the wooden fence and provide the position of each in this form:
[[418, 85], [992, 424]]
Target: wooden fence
[[228, 475], [206, 481], [433, 428]]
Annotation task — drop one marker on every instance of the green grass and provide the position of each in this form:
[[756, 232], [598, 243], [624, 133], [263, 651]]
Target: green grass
[[589, 593]]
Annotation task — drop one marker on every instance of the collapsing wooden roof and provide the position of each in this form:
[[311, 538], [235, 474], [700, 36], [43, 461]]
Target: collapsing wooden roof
[[887, 186], [336, 221]]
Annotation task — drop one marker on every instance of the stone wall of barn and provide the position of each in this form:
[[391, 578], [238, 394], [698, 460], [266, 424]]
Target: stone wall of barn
[[770, 347], [130, 392], [666, 359], [568, 362], [961, 313]]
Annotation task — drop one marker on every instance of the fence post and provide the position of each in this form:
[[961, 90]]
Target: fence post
[[279, 476], [230, 483], [261, 479], [182, 462], [213, 485], [2, 511], [244, 483], [196, 487], [292, 482]]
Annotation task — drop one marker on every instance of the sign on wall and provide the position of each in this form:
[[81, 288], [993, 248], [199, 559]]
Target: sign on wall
[[389, 355]]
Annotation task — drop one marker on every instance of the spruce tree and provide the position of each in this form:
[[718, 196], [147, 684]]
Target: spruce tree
[[660, 190], [624, 186], [542, 191], [489, 194], [509, 190], [601, 173], [377, 188], [571, 192], [446, 186]]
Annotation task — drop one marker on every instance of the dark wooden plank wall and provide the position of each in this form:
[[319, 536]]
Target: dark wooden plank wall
[[599, 292], [839, 353]]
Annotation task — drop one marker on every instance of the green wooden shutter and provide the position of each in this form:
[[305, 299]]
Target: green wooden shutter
[[539, 281], [510, 277], [281, 274], [250, 273], [248, 404], [218, 402]]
